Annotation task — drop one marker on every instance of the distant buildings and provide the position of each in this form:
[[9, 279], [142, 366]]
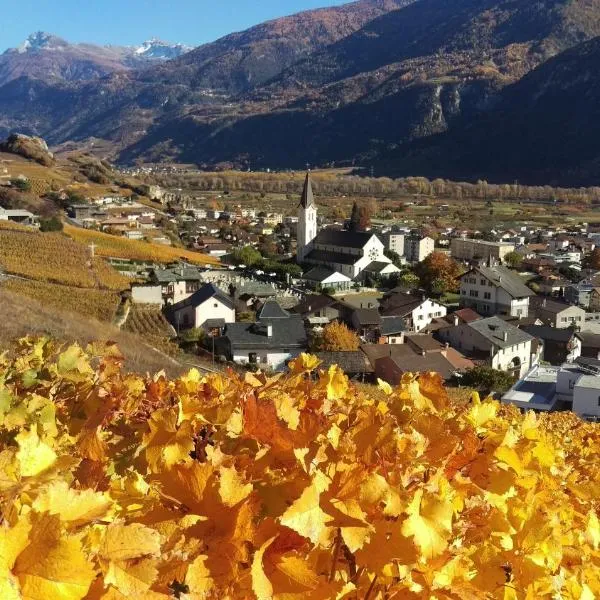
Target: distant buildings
[[469, 249], [23, 217], [418, 248]]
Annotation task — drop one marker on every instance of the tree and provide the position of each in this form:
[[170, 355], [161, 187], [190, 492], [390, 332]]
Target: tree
[[394, 257], [246, 256], [513, 260], [439, 273], [24, 185], [364, 218], [592, 260], [336, 337], [486, 379], [355, 218], [51, 224]]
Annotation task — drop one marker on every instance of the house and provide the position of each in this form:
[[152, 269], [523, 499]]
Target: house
[[469, 249], [557, 314], [355, 364], [367, 323], [494, 290], [590, 344], [418, 248], [23, 217], [347, 252], [177, 283], [209, 302], [594, 303], [495, 342], [390, 363], [573, 386], [559, 345], [579, 293], [552, 287], [392, 330], [417, 311], [275, 338], [322, 277], [317, 309], [463, 315]]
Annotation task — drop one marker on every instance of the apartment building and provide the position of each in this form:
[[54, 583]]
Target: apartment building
[[469, 249]]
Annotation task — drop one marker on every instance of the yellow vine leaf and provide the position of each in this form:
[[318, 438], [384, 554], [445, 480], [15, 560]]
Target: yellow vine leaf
[[429, 522], [34, 455], [261, 586], [337, 383], [198, 578], [167, 443], [53, 565], [12, 542], [124, 542], [74, 506], [306, 517], [132, 578], [232, 488]]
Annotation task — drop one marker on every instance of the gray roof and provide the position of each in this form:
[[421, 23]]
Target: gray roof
[[338, 237], [368, 316], [543, 304], [307, 198], [313, 303], [551, 334], [391, 325], [272, 310], [350, 362], [207, 291], [494, 328], [177, 274], [588, 381], [286, 333], [508, 280], [319, 274]]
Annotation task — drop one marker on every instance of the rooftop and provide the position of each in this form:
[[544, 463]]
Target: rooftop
[[349, 239], [350, 362], [499, 332], [506, 279], [537, 390], [207, 291]]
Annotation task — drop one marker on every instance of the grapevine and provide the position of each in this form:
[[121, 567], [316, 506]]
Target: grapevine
[[295, 486]]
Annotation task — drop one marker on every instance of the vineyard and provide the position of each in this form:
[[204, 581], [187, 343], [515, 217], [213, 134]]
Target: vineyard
[[290, 487], [148, 320], [54, 258], [119, 247], [98, 304]]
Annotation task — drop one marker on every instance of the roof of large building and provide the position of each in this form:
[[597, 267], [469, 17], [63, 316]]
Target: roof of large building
[[326, 256], [307, 199], [506, 279], [494, 330], [348, 239], [207, 291], [285, 333], [367, 316]]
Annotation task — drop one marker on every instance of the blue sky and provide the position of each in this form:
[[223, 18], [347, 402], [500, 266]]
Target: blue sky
[[129, 22]]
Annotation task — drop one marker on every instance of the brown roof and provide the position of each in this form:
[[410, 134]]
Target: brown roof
[[423, 343], [466, 315]]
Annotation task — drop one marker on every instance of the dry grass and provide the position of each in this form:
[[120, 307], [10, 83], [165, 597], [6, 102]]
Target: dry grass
[[119, 247], [29, 317]]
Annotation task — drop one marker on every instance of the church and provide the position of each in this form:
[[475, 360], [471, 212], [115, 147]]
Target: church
[[351, 253]]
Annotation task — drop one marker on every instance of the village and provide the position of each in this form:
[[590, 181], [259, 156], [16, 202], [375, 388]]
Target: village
[[512, 311]]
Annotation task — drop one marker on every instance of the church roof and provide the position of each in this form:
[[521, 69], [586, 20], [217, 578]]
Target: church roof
[[349, 239], [307, 198], [327, 257]]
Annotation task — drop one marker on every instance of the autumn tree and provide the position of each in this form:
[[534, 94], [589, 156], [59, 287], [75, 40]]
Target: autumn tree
[[360, 218], [592, 260], [438, 273], [248, 255], [355, 217], [337, 337], [513, 260]]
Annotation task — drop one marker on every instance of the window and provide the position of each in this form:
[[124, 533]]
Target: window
[[216, 305], [252, 358], [487, 295], [571, 384], [393, 340], [482, 281]]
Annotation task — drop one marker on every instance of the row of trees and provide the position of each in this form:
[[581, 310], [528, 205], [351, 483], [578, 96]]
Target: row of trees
[[331, 183]]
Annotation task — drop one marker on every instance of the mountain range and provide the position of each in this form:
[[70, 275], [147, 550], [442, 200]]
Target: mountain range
[[462, 88]]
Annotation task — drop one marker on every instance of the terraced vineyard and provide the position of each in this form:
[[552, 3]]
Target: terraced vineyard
[[119, 247], [54, 258], [99, 304], [145, 320]]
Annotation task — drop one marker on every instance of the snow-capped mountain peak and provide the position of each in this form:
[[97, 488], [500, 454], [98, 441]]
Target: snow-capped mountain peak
[[158, 49], [40, 40]]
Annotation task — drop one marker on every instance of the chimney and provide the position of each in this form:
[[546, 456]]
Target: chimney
[[505, 336], [269, 330], [544, 302], [447, 345], [423, 353], [455, 320]]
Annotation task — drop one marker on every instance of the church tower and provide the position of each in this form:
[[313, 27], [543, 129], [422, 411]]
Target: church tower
[[307, 221]]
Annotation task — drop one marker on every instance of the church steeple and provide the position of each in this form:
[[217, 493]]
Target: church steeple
[[307, 198], [307, 221]]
